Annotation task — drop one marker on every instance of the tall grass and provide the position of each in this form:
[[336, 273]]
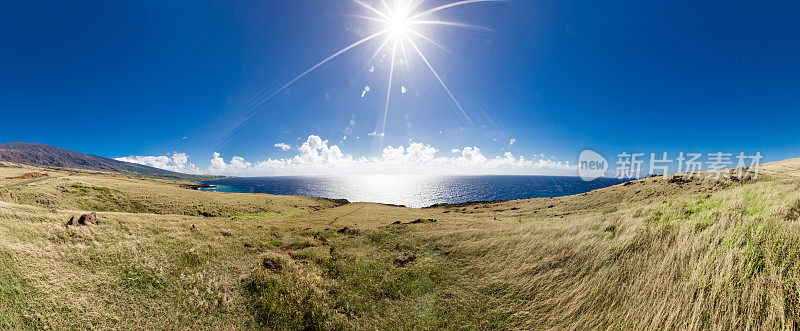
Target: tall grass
[[649, 255]]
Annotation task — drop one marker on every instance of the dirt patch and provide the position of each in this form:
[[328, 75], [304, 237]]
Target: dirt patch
[[346, 230], [271, 264], [405, 258], [31, 175]]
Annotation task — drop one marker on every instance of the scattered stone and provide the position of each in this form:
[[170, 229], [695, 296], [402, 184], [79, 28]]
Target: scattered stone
[[247, 245], [84, 219], [423, 220], [195, 228], [405, 258], [271, 264]]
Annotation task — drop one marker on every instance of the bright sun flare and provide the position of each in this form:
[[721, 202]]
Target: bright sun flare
[[397, 24]]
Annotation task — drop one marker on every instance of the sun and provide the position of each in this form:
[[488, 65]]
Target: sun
[[398, 25]]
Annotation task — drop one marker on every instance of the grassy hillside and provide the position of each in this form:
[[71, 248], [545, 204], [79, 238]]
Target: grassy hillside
[[651, 254], [43, 155], [80, 190]]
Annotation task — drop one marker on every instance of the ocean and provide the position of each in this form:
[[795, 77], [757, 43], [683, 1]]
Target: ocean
[[413, 190]]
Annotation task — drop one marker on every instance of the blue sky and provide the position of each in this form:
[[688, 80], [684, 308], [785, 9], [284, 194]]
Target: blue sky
[[150, 78]]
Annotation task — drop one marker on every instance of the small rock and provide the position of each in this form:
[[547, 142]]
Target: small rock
[[422, 220], [405, 258], [84, 219], [195, 228], [90, 218], [397, 222]]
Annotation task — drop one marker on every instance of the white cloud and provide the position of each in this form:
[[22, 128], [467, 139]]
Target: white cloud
[[511, 142], [316, 157], [178, 162], [283, 146], [237, 166], [471, 155]]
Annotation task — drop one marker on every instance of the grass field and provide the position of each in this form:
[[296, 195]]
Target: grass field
[[650, 254]]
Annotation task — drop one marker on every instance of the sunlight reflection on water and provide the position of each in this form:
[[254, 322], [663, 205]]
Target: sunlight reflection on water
[[414, 190]]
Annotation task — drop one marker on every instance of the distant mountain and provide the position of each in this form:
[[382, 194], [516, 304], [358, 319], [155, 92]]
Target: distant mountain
[[54, 157]]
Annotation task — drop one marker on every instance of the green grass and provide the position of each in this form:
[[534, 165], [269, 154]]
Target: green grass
[[348, 281], [15, 293], [650, 255], [261, 216]]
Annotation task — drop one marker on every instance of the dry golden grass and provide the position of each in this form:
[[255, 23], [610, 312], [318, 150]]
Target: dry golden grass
[[705, 254], [114, 192]]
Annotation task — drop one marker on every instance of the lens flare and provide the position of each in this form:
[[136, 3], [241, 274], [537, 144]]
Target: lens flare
[[397, 24]]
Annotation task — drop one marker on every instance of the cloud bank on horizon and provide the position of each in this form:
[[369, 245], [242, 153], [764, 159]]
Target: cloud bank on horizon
[[316, 157]]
